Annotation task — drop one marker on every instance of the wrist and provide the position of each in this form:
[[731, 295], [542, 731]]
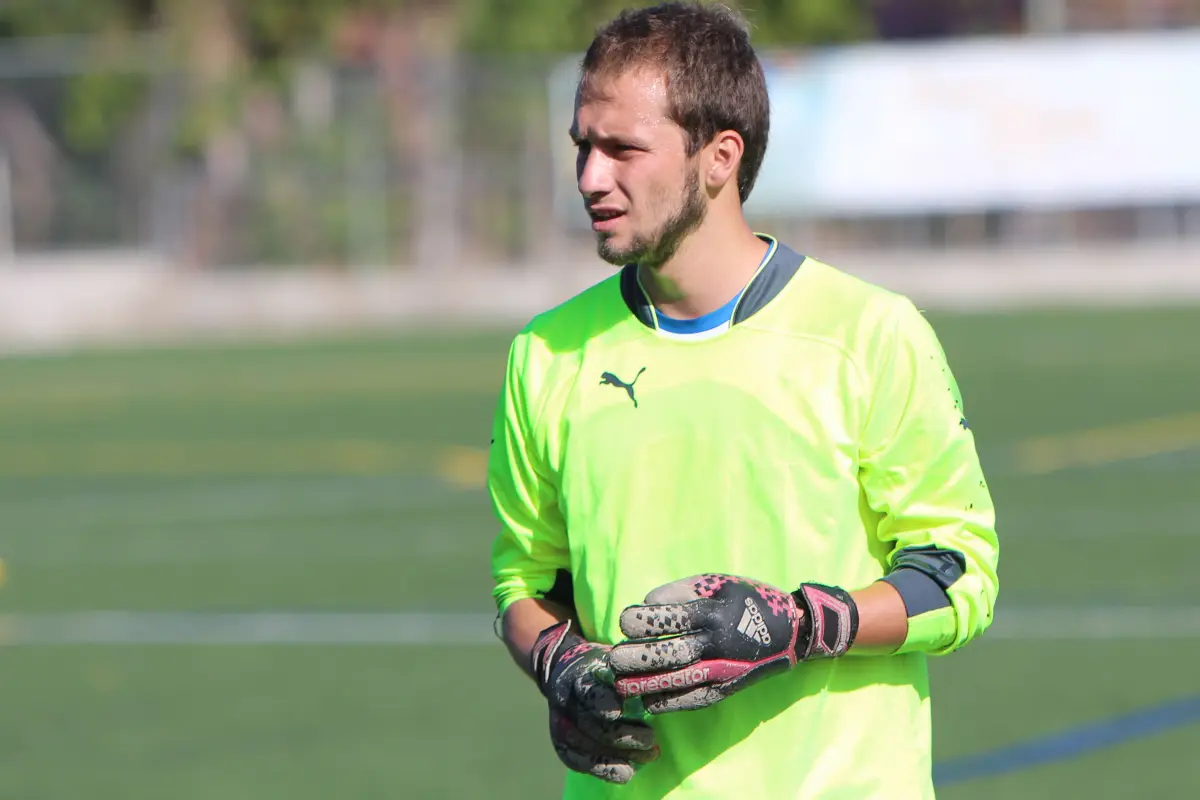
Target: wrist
[[883, 620], [549, 646], [829, 621]]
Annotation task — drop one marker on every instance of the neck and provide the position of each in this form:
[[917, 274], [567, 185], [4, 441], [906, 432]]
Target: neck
[[708, 269]]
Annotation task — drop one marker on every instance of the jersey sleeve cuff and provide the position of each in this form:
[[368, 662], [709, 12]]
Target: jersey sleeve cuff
[[932, 632], [561, 591], [920, 592], [931, 618], [507, 598]]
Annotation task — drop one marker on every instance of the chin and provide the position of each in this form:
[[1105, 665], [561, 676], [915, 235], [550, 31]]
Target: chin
[[616, 259], [614, 255]]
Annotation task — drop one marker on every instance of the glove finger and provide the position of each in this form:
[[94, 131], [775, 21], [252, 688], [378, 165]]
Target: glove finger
[[581, 754], [598, 765], [737, 678], [701, 673], [686, 700], [596, 696], [683, 591], [621, 735], [664, 619], [658, 655]]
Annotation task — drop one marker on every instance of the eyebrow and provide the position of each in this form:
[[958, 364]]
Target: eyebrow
[[628, 141]]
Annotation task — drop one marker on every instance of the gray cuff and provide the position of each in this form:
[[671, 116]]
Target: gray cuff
[[920, 593]]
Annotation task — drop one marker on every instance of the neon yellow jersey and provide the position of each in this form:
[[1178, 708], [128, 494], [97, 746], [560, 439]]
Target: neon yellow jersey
[[821, 437]]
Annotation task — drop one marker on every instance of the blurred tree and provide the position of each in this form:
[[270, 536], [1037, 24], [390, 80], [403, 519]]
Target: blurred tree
[[64, 17], [225, 47], [556, 26], [813, 22], [224, 68]]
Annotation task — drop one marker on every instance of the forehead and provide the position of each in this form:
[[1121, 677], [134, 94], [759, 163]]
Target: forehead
[[633, 99]]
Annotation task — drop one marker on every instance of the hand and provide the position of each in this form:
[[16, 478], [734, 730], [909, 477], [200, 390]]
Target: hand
[[586, 727], [698, 640]]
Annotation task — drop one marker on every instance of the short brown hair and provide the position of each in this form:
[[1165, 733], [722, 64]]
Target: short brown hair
[[714, 79]]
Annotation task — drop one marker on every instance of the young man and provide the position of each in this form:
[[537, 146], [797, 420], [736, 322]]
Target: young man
[[740, 502]]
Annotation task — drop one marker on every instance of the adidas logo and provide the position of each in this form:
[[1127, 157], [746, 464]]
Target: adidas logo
[[753, 626]]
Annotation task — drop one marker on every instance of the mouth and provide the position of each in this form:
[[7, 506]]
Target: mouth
[[604, 220]]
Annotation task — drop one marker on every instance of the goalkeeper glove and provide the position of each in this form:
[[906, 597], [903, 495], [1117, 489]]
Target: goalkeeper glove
[[698, 640], [586, 727]]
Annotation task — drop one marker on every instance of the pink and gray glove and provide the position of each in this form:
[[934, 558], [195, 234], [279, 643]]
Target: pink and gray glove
[[586, 728], [698, 640]]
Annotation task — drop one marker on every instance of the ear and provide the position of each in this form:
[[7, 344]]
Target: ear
[[724, 156]]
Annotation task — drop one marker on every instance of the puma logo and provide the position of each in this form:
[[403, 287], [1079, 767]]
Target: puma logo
[[608, 379]]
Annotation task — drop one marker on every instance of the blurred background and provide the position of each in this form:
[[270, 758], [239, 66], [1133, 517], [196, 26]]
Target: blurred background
[[260, 262]]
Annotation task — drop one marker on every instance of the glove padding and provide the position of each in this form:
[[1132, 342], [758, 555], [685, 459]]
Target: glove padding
[[698, 640], [586, 727]]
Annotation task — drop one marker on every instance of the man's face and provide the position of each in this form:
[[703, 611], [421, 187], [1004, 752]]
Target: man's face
[[641, 190]]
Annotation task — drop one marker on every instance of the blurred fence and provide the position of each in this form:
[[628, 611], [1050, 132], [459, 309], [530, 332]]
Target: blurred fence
[[449, 159], [439, 160]]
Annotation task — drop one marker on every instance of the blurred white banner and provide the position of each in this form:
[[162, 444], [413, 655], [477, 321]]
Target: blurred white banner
[[1015, 123]]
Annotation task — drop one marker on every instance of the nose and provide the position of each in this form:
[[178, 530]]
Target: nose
[[593, 172]]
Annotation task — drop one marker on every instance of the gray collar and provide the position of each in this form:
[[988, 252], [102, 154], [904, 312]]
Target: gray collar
[[766, 284]]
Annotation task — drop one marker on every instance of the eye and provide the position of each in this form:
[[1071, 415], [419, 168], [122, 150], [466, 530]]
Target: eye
[[623, 151]]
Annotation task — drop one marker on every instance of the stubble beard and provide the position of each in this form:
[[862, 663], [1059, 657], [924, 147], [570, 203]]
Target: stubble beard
[[654, 249]]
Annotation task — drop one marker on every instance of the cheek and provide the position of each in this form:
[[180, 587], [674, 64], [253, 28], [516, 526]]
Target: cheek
[[648, 192], [652, 191], [663, 197]]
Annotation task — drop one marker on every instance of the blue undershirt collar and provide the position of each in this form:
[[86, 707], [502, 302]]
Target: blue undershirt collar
[[713, 319]]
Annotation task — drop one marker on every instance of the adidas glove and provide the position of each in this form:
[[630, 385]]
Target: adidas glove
[[698, 640], [586, 727]]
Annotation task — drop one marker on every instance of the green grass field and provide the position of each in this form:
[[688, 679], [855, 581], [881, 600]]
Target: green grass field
[[343, 475]]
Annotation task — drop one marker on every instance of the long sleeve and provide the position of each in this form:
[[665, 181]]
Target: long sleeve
[[531, 547], [920, 472]]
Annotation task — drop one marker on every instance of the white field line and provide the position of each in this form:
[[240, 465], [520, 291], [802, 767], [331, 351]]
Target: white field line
[[475, 629], [249, 628], [248, 500], [1102, 623]]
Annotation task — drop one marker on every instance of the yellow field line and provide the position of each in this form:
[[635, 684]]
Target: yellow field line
[[1036, 456], [466, 467], [271, 385], [1108, 445], [241, 456]]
